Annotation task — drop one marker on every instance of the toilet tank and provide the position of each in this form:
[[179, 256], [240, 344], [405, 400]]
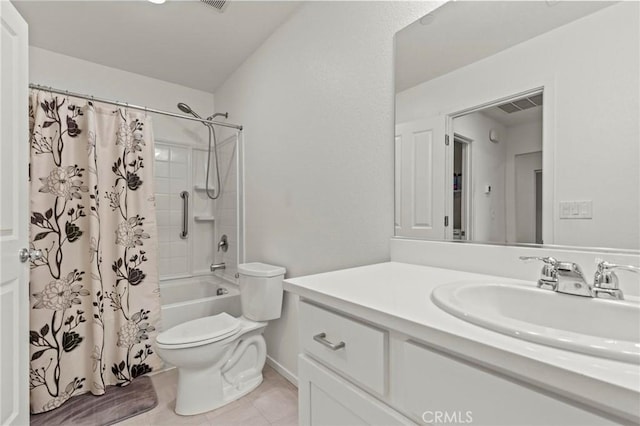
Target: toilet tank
[[261, 290]]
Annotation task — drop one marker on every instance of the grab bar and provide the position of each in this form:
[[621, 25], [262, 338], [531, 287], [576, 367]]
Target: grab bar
[[185, 215]]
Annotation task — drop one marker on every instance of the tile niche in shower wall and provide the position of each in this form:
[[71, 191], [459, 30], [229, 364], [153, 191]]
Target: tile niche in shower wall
[[172, 175]]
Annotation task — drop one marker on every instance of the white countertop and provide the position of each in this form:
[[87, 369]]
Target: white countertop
[[397, 296]]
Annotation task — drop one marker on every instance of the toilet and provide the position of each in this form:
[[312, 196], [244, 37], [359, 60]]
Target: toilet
[[220, 358]]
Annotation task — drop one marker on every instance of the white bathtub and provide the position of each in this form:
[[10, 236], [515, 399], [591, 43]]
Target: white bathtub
[[188, 299]]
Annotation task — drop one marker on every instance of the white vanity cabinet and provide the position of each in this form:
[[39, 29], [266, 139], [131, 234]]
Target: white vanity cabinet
[[353, 371]]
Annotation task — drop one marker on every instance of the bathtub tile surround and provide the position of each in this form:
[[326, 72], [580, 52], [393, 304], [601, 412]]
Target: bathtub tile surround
[[182, 167], [274, 402], [226, 211], [172, 164]]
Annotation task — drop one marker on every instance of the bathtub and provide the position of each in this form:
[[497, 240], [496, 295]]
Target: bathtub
[[188, 299]]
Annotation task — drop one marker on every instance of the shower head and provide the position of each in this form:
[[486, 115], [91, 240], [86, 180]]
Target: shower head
[[187, 109]]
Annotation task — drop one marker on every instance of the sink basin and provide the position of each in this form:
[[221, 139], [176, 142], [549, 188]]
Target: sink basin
[[599, 327]]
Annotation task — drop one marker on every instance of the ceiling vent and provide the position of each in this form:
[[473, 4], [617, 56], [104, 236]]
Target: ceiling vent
[[522, 104], [219, 5]]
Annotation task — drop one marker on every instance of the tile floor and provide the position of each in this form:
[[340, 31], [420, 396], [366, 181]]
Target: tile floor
[[274, 402]]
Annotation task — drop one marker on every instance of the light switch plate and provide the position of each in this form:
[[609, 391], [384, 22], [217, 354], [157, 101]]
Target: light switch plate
[[576, 209]]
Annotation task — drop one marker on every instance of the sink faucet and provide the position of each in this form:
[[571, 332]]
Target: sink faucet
[[561, 276], [571, 280], [567, 277], [216, 266]]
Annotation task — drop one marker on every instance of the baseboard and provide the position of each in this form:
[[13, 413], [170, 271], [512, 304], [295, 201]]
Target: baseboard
[[166, 367], [282, 371], [272, 363]]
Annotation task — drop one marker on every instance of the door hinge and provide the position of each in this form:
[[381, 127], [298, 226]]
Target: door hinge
[[446, 221], [446, 140]]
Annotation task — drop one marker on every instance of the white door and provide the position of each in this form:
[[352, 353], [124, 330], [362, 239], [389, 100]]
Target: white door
[[526, 166], [420, 178], [14, 214]]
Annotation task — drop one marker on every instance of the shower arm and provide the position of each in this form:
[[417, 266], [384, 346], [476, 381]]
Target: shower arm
[[218, 114]]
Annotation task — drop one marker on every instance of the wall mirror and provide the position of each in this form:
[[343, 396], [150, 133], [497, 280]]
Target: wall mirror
[[517, 123]]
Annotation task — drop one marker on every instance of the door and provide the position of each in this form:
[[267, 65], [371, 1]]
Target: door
[[420, 178], [14, 213], [526, 166]]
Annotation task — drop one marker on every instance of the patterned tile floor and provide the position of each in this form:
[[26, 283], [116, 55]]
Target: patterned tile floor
[[274, 402]]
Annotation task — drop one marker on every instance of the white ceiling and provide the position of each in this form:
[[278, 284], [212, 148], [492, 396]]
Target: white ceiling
[[462, 32], [184, 42]]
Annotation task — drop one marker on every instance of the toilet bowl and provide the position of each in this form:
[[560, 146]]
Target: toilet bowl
[[220, 358]]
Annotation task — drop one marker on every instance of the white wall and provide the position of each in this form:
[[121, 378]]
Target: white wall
[[316, 100], [591, 66], [521, 139], [77, 75], [503, 261], [487, 168]]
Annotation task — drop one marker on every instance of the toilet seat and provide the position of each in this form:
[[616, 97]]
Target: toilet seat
[[200, 331]]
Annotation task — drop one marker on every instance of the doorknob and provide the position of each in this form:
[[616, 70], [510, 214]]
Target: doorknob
[[29, 254]]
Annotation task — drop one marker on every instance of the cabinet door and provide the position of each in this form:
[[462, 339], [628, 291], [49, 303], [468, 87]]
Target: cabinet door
[[327, 400], [438, 386]]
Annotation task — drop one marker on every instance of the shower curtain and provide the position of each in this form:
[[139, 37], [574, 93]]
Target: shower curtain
[[94, 293]]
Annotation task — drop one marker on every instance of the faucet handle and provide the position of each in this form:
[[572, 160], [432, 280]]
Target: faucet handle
[[548, 260], [549, 272], [605, 277], [605, 280], [604, 265]]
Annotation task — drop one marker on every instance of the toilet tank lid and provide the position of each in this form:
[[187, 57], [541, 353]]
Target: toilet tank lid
[[257, 269]]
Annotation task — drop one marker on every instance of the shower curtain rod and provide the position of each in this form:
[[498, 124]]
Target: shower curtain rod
[[131, 106]]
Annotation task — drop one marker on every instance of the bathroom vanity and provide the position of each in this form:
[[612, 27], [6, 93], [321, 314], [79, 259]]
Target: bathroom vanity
[[375, 349]]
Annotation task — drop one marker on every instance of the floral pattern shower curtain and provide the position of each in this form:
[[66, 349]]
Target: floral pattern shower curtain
[[94, 293]]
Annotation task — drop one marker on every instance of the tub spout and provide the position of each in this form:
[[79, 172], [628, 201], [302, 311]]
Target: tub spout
[[216, 266]]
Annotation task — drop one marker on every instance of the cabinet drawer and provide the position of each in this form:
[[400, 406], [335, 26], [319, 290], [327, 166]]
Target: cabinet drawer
[[351, 347]]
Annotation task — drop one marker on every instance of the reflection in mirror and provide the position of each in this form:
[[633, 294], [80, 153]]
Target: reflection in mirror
[[517, 122], [500, 141]]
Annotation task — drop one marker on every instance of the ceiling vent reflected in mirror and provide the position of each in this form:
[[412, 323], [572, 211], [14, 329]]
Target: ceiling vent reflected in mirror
[[521, 104], [219, 5]]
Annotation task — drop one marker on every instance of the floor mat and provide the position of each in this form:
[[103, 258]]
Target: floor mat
[[116, 405]]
